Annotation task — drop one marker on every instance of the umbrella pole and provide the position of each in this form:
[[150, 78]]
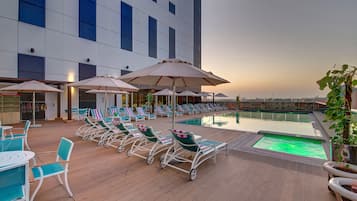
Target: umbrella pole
[[33, 108], [173, 103], [105, 103], [156, 99]]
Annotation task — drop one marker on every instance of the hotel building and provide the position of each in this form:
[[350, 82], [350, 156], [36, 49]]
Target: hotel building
[[63, 41]]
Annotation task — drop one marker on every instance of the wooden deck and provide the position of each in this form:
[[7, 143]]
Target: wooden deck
[[98, 173]]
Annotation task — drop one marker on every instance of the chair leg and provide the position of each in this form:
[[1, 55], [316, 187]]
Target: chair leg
[[37, 189], [67, 185], [59, 179], [27, 144]]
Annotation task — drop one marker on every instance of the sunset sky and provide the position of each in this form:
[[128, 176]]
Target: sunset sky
[[276, 48]]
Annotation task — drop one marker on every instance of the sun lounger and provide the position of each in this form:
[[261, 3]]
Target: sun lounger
[[150, 145], [187, 149], [131, 134], [148, 116], [134, 116], [160, 112]]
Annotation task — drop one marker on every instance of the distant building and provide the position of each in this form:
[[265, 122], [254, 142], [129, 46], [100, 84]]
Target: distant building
[[63, 41], [282, 105]]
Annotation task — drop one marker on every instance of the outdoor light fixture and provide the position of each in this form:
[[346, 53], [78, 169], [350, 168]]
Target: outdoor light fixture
[[126, 67], [88, 60], [32, 50]]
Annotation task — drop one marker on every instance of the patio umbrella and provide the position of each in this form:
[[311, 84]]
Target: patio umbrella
[[173, 73], [31, 87], [104, 83], [203, 94], [187, 93], [164, 92], [221, 95], [105, 92], [95, 91], [218, 95]]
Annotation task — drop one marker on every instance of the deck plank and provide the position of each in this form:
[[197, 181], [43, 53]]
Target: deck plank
[[98, 173]]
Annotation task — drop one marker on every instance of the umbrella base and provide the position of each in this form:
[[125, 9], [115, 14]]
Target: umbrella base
[[36, 125]]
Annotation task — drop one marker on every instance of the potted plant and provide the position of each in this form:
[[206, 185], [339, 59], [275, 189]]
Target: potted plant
[[339, 98]]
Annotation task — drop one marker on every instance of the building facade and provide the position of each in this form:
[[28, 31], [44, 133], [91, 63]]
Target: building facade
[[63, 41]]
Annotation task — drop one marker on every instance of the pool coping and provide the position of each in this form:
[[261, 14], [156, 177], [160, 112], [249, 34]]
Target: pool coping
[[262, 132]]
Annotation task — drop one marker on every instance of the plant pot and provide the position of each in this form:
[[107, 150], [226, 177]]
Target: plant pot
[[352, 154], [346, 153]]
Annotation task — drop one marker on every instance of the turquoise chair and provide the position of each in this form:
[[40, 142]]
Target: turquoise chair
[[55, 169], [23, 133], [14, 182], [82, 113], [15, 144]]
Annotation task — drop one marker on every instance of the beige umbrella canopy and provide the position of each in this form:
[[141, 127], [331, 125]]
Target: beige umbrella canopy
[[187, 94], [204, 94], [164, 92], [173, 73], [104, 83], [221, 95], [95, 91], [31, 87]]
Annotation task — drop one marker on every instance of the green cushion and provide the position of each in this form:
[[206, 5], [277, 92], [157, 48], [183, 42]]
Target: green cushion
[[48, 170]]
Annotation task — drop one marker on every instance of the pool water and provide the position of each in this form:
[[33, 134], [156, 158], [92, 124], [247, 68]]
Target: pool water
[[292, 123], [292, 145]]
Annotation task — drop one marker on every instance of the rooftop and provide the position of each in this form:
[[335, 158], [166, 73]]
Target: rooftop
[[98, 173]]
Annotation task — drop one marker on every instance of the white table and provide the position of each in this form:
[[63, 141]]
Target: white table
[[13, 157], [8, 158]]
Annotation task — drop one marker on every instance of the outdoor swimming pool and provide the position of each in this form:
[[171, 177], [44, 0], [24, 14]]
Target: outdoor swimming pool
[[292, 145], [291, 123]]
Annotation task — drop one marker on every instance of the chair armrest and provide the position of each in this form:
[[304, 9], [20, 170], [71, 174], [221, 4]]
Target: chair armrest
[[45, 152], [17, 129]]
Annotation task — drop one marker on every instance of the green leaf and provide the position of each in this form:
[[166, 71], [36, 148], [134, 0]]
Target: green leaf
[[354, 82]]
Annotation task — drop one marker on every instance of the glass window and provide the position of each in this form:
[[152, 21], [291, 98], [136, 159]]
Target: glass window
[[126, 27], [87, 19], [172, 43], [33, 68], [152, 37], [87, 100], [172, 8], [32, 12], [30, 67]]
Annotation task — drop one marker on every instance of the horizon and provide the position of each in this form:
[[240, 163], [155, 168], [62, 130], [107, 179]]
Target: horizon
[[276, 49]]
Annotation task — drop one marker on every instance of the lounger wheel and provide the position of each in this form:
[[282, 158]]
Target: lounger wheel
[[129, 153], [150, 160], [121, 149], [193, 174]]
